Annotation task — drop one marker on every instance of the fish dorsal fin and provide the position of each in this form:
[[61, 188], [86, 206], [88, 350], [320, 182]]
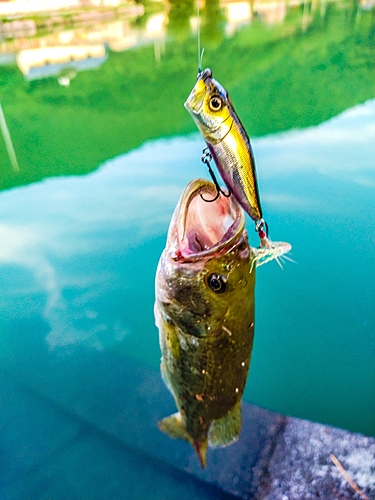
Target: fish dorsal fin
[[226, 430], [173, 426]]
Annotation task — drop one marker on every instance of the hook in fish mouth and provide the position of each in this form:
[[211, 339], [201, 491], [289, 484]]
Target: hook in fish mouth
[[206, 229]]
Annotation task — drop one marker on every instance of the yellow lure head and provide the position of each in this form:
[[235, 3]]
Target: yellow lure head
[[210, 107]]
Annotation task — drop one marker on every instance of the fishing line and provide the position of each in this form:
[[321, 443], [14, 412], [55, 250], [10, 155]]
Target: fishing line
[[200, 52], [199, 39], [249, 199], [206, 155]]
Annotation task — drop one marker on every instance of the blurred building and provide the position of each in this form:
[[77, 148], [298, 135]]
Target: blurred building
[[14, 7], [367, 4], [63, 62], [238, 14], [26, 6], [270, 12], [18, 28]]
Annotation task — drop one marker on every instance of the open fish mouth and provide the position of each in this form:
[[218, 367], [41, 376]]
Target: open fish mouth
[[206, 228]]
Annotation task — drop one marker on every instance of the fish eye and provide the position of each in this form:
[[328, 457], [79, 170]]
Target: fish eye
[[215, 103], [217, 283]]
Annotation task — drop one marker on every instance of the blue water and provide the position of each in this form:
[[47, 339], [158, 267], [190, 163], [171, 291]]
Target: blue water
[[80, 253], [78, 256]]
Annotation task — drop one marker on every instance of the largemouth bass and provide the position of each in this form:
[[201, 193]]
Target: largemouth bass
[[204, 310], [212, 110]]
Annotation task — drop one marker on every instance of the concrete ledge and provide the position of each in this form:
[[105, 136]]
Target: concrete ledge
[[276, 457], [300, 467]]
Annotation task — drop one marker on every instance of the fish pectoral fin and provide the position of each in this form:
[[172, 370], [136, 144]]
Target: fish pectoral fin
[[173, 427], [226, 430]]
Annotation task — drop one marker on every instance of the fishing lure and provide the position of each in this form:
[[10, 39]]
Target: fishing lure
[[228, 145], [212, 110]]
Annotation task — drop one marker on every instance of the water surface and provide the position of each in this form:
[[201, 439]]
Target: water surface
[[104, 160]]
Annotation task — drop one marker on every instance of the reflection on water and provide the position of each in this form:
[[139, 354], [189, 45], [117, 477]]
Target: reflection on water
[[48, 55], [238, 14], [279, 77], [89, 245], [8, 141], [78, 252], [49, 61], [81, 48], [349, 137]]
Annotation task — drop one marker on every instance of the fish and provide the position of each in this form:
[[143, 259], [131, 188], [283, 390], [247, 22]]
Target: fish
[[204, 310], [212, 110]]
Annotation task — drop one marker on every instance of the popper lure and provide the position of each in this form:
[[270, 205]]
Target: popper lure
[[229, 145]]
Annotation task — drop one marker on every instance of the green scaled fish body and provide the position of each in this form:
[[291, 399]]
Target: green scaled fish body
[[204, 310]]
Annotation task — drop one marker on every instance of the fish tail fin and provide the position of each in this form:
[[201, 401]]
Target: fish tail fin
[[201, 449], [174, 428], [226, 430]]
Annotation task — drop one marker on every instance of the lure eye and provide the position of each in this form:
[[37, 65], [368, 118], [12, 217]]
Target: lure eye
[[215, 103], [217, 283]]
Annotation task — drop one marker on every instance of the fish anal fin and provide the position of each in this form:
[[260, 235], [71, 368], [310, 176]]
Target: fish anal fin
[[173, 427], [226, 430]]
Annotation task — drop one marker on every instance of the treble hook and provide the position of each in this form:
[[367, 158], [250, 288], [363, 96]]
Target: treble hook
[[206, 158]]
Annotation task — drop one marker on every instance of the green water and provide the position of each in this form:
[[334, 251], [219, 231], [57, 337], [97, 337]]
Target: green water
[[103, 162]]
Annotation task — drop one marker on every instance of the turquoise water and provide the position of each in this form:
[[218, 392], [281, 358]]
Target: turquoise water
[[78, 253]]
